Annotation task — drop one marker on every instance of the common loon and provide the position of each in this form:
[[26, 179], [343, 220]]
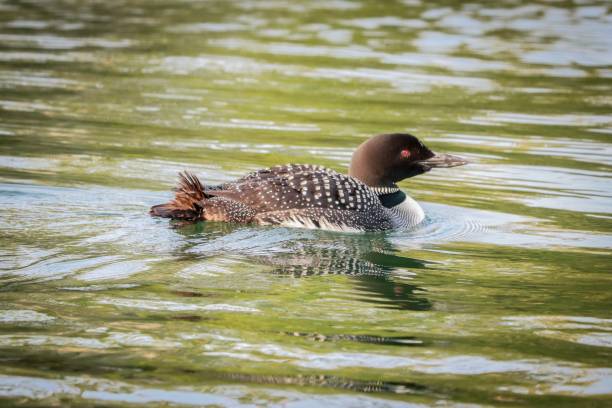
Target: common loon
[[310, 196]]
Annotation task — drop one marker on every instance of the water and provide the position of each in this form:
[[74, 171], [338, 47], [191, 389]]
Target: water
[[502, 296]]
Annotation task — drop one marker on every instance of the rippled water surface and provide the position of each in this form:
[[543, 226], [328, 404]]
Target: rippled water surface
[[503, 296]]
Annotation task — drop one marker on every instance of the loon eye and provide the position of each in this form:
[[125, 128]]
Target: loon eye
[[405, 153]]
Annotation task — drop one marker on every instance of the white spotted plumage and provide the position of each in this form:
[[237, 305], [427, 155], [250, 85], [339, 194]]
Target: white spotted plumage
[[311, 197], [297, 196]]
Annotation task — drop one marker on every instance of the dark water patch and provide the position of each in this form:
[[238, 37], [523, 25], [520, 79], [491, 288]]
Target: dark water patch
[[392, 294], [186, 293], [190, 318], [362, 338]]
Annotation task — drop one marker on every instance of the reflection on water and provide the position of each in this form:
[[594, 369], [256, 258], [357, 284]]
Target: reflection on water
[[332, 382], [397, 341], [501, 296], [369, 259]]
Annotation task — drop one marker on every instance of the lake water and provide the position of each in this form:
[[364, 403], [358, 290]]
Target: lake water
[[503, 296]]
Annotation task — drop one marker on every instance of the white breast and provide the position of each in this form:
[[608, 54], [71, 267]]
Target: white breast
[[406, 214], [298, 221]]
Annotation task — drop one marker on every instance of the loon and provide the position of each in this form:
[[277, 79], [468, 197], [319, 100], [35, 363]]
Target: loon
[[311, 196]]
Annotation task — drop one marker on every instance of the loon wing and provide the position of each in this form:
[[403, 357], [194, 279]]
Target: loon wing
[[296, 187]]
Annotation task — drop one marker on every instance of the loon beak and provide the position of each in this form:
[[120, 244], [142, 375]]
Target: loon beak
[[443, 160]]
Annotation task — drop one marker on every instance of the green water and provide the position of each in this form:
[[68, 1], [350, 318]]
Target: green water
[[502, 297]]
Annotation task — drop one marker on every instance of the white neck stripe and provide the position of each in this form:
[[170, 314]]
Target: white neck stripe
[[385, 190]]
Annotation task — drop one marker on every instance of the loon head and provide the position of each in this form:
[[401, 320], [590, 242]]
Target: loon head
[[384, 160]]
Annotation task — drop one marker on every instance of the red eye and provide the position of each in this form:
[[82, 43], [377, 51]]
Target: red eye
[[405, 153]]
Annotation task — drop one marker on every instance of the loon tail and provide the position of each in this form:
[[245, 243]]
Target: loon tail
[[187, 203]]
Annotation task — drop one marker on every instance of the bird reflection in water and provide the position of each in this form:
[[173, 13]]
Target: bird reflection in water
[[373, 263], [370, 259], [330, 381]]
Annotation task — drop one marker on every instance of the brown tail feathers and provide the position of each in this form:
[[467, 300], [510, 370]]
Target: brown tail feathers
[[187, 200]]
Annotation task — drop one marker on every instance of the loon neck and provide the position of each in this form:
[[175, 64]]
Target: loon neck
[[381, 190], [393, 198], [404, 211], [389, 196]]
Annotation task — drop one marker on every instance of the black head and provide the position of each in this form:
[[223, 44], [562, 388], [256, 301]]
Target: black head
[[384, 160]]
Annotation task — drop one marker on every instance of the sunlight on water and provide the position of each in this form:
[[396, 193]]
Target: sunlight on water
[[500, 297]]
